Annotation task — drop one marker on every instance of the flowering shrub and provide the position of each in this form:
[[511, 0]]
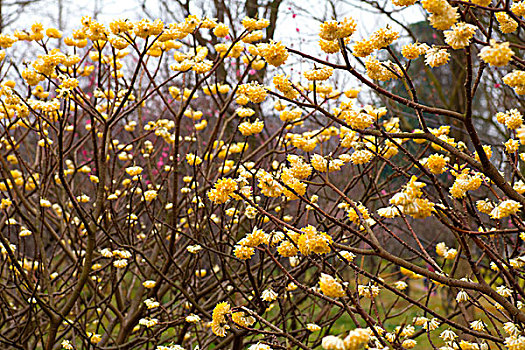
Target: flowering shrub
[[151, 201]]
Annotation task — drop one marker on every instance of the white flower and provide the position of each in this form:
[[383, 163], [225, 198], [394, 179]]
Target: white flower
[[134, 170], [504, 291], [194, 249], [269, 295], [431, 325], [400, 285], [120, 263], [409, 343], [348, 256], [259, 346], [462, 296], [106, 253], [170, 347], [149, 284], [448, 335], [368, 291], [94, 338], [331, 342], [192, 318], [150, 195], [388, 212], [148, 322], [151, 303], [407, 331], [66, 344], [511, 329], [45, 203], [477, 325], [419, 321], [312, 327]]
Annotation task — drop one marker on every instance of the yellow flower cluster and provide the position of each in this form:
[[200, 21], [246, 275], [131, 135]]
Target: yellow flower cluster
[[330, 287], [518, 8], [223, 190], [245, 248], [233, 50], [312, 241], [362, 48], [333, 30], [496, 54], [221, 30], [403, 2], [506, 23], [195, 115], [436, 57], [216, 88], [414, 50], [505, 208], [300, 169], [361, 156], [465, 182], [145, 27], [383, 37], [7, 41], [512, 146], [252, 24], [288, 247], [275, 53], [244, 112], [254, 92], [382, 71], [290, 176], [333, 46], [290, 115], [247, 128], [446, 252], [353, 215], [290, 180], [36, 34], [219, 323], [369, 291], [459, 35], [304, 142], [436, 163], [29, 183], [240, 319], [331, 342], [378, 40], [357, 338], [284, 85], [319, 74], [443, 15], [353, 341], [516, 80], [324, 165], [269, 186], [512, 119], [488, 153], [409, 202]]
